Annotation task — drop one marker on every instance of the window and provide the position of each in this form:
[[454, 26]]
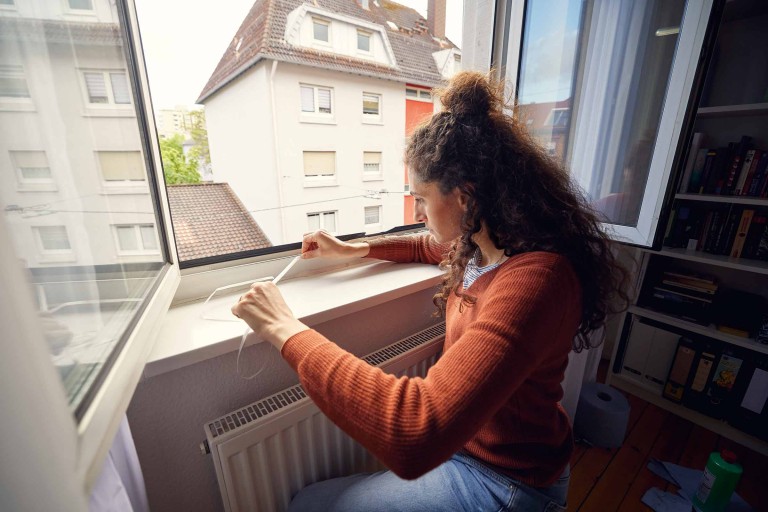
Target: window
[[6, 2], [107, 88], [418, 94], [53, 239], [363, 41], [322, 220], [371, 105], [319, 166], [118, 166], [316, 100], [81, 5], [136, 238], [321, 30], [372, 165], [411, 93], [372, 215], [425, 95], [31, 167], [13, 84]]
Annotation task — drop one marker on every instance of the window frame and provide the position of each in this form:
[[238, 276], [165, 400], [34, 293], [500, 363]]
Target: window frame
[[369, 176], [319, 180], [379, 209], [106, 74], [376, 118], [142, 251], [17, 102], [418, 94], [315, 116], [369, 36], [26, 184], [321, 21], [76, 10], [322, 214], [53, 254]]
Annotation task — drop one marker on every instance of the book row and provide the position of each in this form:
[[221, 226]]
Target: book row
[[738, 169], [724, 229]]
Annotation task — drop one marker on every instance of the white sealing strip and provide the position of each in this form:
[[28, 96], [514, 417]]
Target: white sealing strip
[[248, 329]]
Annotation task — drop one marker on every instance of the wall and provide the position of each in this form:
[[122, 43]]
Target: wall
[[168, 411]]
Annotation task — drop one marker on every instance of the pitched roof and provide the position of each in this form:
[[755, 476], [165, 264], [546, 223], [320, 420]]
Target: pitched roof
[[209, 220], [261, 36]]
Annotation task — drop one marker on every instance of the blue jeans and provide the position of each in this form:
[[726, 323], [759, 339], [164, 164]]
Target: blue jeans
[[462, 483]]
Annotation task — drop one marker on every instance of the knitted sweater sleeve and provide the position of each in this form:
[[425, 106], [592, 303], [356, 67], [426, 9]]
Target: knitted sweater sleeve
[[408, 249], [414, 424]]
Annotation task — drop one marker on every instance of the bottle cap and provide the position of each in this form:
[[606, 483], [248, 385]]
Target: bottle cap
[[728, 456]]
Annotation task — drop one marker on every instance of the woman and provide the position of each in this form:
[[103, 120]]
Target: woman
[[529, 275]]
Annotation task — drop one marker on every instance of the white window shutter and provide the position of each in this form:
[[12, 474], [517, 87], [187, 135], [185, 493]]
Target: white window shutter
[[307, 99], [324, 100], [120, 89], [97, 88]]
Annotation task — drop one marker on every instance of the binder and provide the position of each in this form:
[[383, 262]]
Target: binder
[[686, 353], [720, 394], [695, 395], [750, 406]]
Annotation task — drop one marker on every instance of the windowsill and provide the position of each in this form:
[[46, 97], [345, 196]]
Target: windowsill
[[17, 106], [376, 177], [186, 338], [372, 120], [37, 187], [320, 182], [109, 112], [315, 119], [124, 189]]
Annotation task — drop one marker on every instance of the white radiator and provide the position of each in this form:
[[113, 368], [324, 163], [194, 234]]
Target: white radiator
[[267, 451]]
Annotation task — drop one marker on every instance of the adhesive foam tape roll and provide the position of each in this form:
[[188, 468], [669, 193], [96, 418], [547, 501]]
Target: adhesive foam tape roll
[[601, 416]]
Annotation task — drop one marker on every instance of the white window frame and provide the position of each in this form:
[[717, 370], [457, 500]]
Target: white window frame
[[320, 180], [120, 186], [38, 231], [419, 94], [142, 251], [378, 208], [327, 23], [369, 35], [109, 86], [77, 11], [315, 116], [372, 118], [16, 102], [31, 184], [9, 7], [374, 176], [322, 216]]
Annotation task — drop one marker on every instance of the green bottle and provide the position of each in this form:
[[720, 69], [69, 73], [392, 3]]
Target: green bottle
[[721, 475]]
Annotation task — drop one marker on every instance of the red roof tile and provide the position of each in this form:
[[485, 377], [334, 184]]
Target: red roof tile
[[209, 220], [261, 36]]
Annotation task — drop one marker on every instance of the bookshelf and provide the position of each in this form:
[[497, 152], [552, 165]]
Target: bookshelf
[[717, 236]]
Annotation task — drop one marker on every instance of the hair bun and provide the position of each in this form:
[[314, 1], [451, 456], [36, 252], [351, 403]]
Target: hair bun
[[470, 94]]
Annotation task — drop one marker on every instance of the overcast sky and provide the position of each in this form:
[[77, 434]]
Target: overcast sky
[[184, 40]]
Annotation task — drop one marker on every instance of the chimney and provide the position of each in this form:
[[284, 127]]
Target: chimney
[[436, 17]]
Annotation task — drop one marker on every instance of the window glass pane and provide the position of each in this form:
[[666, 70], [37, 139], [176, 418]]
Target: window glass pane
[[371, 104], [54, 238], [6, 2], [148, 237], [64, 239], [126, 238], [425, 95], [97, 88], [121, 166], [319, 163], [313, 221], [605, 138], [307, 99], [81, 4], [372, 214], [324, 100], [363, 41], [320, 31], [120, 90], [12, 82], [329, 221], [288, 140]]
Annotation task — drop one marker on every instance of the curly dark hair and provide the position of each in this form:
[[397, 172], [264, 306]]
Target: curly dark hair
[[524, 198]]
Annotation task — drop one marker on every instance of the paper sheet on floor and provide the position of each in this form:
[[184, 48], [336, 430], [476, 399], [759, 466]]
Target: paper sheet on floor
[[688, 480]]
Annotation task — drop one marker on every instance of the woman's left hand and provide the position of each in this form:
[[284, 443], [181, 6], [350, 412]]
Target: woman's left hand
[[265, 311]]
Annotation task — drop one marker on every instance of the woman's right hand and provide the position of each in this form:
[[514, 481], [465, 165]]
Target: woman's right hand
[[322, 244]]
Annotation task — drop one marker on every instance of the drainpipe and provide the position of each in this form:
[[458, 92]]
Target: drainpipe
[[278, 168]]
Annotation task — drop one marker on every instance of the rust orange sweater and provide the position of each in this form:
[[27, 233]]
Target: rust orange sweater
[[493, 393]]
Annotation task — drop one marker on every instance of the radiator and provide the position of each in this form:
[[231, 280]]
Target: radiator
[[267, 451]]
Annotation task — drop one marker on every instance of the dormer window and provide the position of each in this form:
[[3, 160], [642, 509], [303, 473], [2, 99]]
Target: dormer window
[[363, 41], [321, 30], [80, 5]]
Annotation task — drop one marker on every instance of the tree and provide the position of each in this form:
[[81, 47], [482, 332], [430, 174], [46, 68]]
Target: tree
[[176, 166], [199, 134]]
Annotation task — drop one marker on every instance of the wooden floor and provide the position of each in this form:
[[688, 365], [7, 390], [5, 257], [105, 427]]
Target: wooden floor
[[605, 480]]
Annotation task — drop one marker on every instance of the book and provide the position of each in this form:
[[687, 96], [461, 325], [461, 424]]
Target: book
[[686, 286], [720, 392], [754, 235], [707, 171], [698, 167], [720, 169], [757, 177], [700, 280], [736, 163], [751, 172], [703, 367], [728, 234], [674, 388], [744, 172], [741, 233], [696, 143]]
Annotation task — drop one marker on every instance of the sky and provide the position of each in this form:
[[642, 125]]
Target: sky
[[183, 42]]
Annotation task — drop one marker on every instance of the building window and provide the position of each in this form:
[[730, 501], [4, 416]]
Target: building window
[[418, 94], [107, 88], [372, 165], [136, 238], [319, 168], [371, 105], [8, 3], [316, 100], [372, 215], [322, 220], [121, 166], [321, 30], [31, 167], [53, 239], [363, 41], [80, 5], [13, 84]]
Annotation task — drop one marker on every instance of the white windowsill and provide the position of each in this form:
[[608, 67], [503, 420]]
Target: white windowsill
[[186, 338]]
